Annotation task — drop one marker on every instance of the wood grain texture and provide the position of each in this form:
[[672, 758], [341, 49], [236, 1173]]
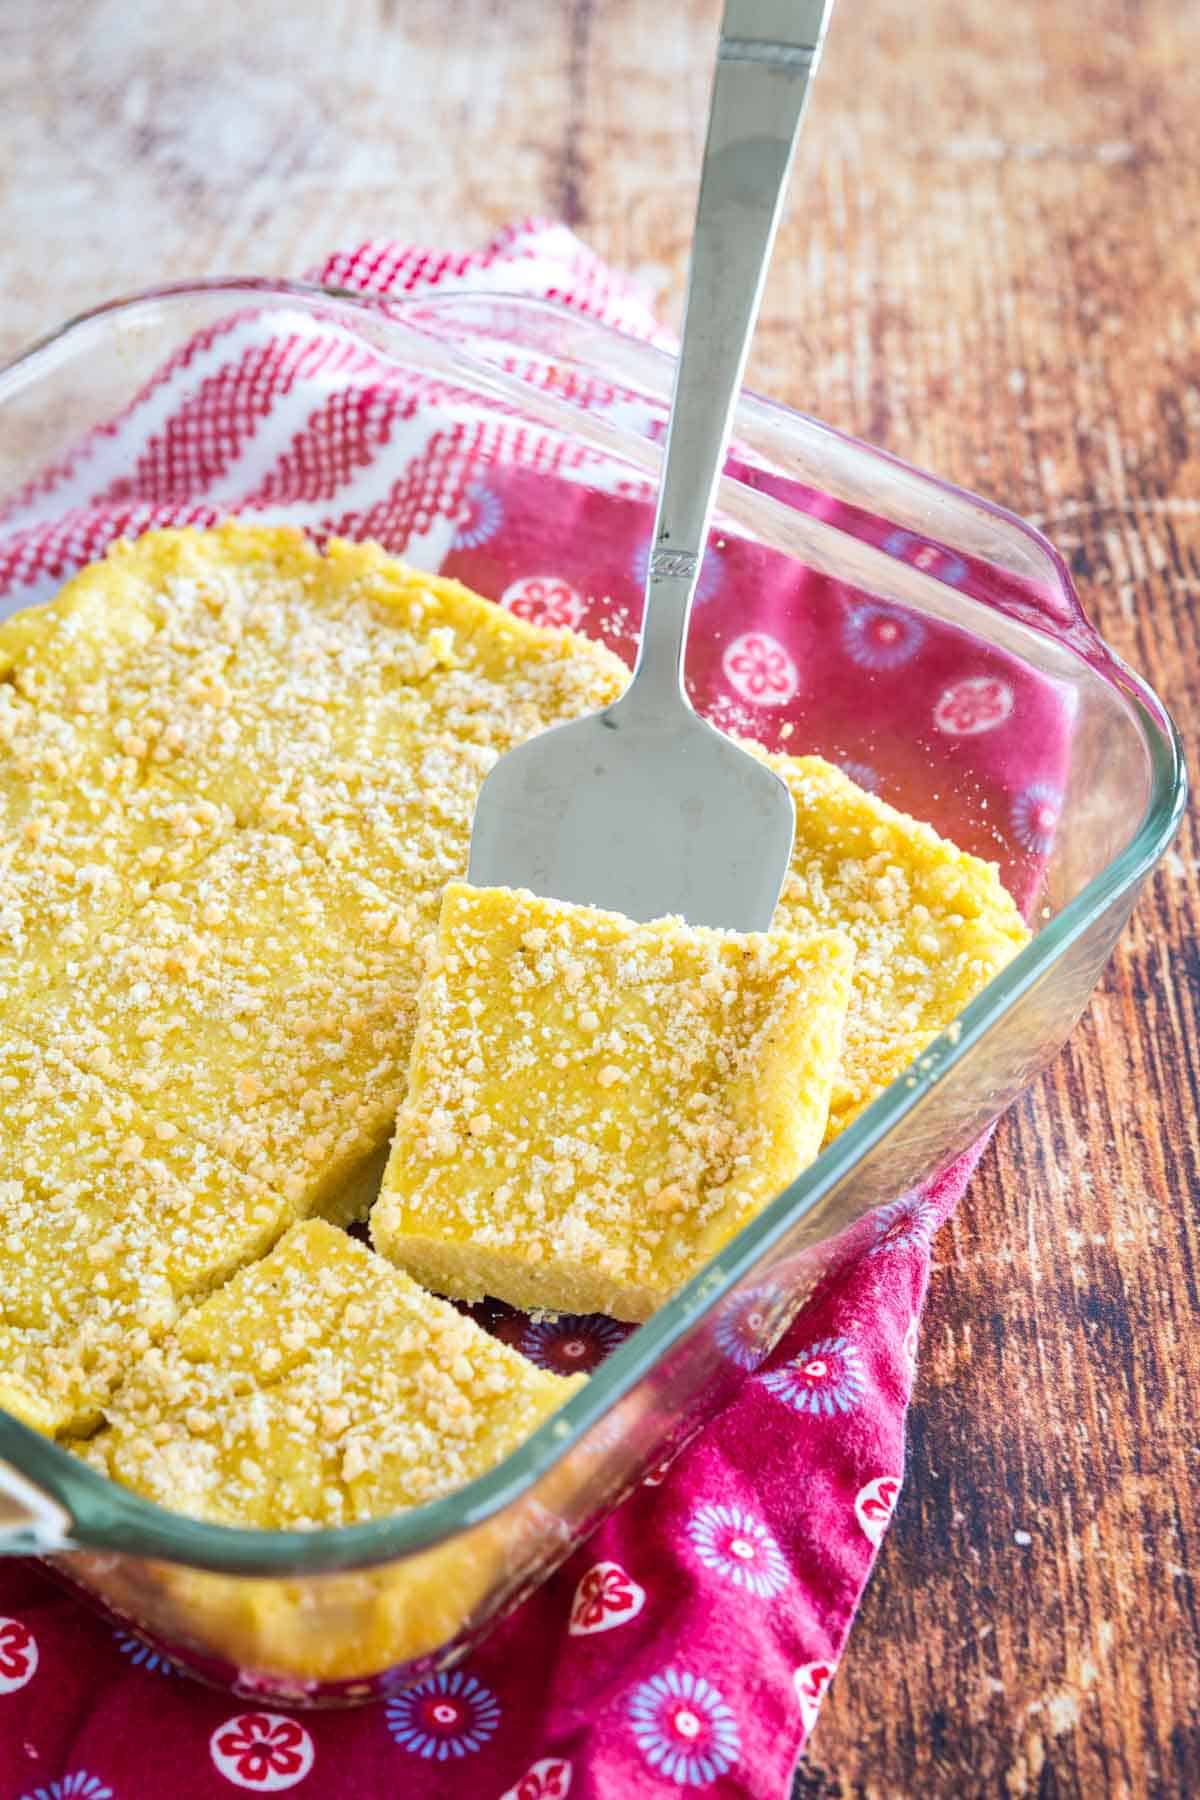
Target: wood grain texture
[[991, 267]]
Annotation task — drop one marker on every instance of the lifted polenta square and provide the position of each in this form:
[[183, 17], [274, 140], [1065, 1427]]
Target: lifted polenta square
[[595, 1106]]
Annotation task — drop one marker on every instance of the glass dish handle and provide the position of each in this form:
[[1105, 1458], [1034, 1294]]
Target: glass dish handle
[[31, 1524]]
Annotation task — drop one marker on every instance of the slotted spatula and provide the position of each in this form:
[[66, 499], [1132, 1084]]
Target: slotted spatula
[[645, 808]]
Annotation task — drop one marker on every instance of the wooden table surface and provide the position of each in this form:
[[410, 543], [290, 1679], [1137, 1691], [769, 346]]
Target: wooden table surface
[[991, 267]]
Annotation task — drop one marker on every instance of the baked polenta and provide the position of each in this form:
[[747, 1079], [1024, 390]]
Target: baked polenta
[[110, 1217], [237, 776], [930, 924]]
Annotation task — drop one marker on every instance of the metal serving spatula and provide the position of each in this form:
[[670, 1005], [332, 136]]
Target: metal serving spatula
[[645, 808]]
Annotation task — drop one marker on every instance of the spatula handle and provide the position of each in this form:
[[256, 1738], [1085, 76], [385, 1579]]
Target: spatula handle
[[765, 61]]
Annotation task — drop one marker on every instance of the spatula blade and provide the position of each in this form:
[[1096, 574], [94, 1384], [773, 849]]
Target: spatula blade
[[645, 816]]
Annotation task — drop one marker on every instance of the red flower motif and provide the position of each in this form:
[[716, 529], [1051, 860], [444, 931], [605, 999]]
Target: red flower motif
[[601, 1591], [262, 1750], [544, 600], [548, 1779], [16, 1649], [874, 1505], [813, 1679], [968, 707], [879, 1505], [606, 1596], [760, 669], [811, 1682]]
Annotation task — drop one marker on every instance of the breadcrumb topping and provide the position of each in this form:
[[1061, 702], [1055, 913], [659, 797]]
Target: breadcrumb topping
[[107, 1223], [236, 778]]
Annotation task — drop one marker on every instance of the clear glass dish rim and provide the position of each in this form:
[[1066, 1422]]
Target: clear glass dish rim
[[106, 1516]]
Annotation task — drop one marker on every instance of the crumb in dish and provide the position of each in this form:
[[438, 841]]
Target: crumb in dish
[[237, 774], [252, 667], [262, 1007], [320, 1387], [83, 836]]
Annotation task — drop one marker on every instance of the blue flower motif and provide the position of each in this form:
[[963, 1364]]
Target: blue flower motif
[[1035, 816], [77, 1786], [683, 1727], [712, 571], [904, 1224], [737, 1545], [825, 1378], [745, 1325], [880, 637], [924, 555], [484, 517], [451, 1714], [141, 1655], [571, 1342], [862, 773]]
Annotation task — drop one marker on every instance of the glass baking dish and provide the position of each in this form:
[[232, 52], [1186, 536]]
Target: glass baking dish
[[842, 539]]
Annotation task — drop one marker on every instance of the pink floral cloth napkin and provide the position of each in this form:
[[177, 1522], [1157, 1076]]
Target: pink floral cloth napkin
[[688, 1644]]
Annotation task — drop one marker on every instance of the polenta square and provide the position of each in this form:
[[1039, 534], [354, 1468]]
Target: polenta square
[[596, 1106], [405, 820], [371, 696], [930, 923], [397, 794], [206, 653], [263, 1006], [339, 698], [85, 836], [320, 1387], [109, 1218], [237, 657]]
